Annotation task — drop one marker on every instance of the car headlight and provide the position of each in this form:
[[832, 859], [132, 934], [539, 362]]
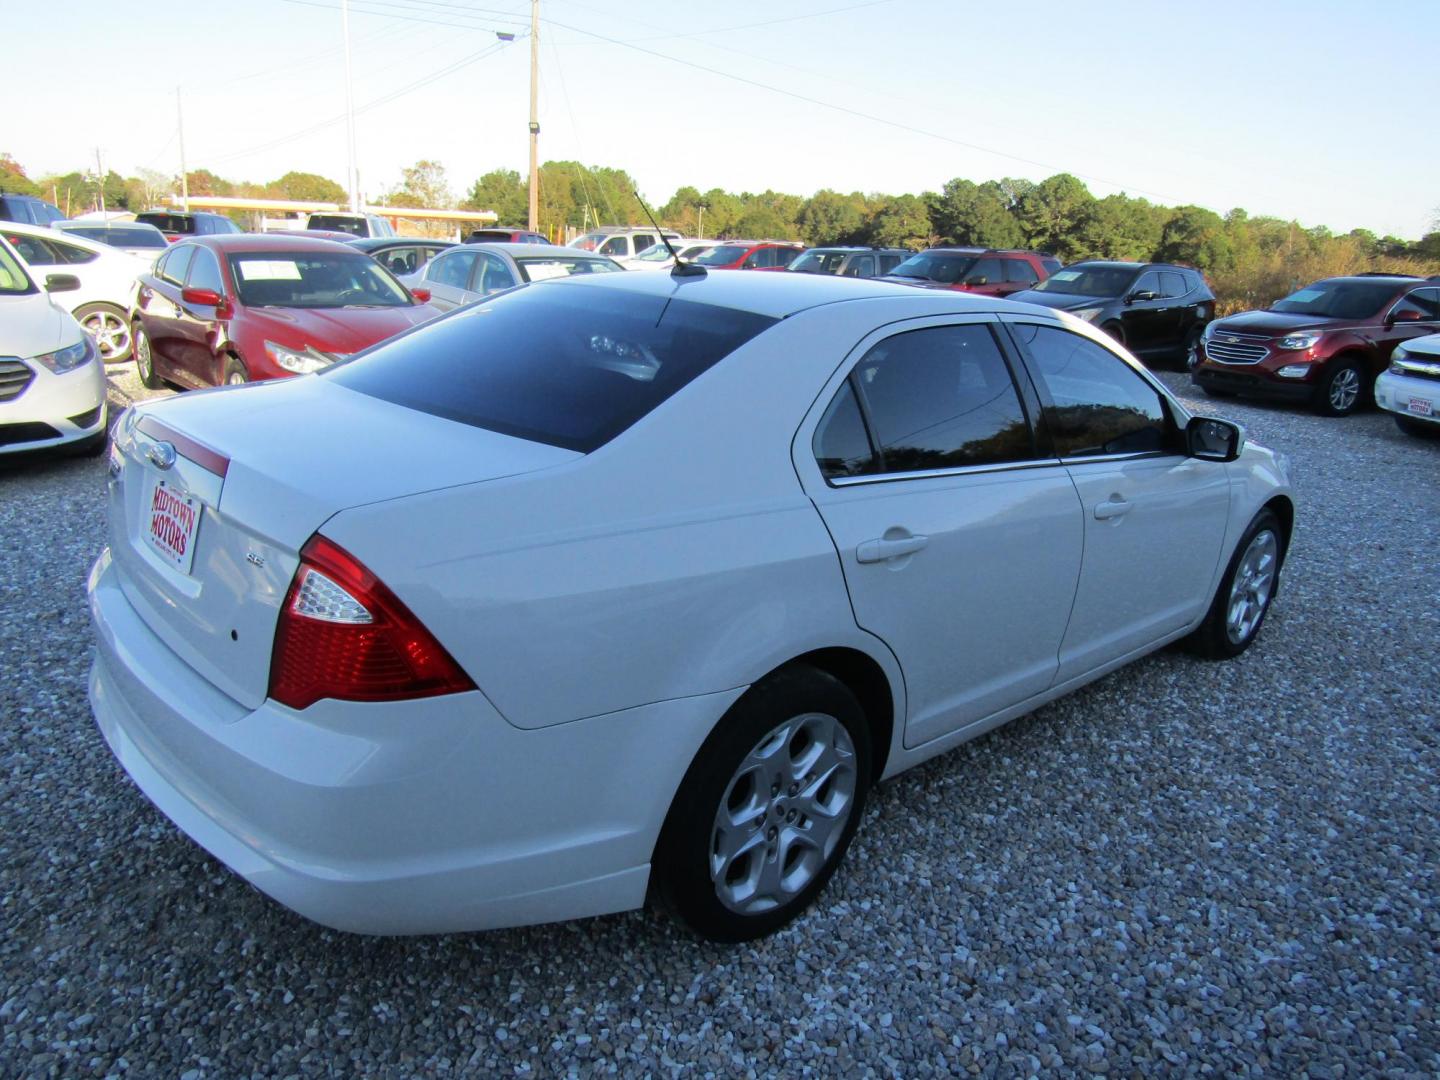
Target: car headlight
[[1400, 353], [70, 357], [300, 361], [1298, 341], [1086, 313]]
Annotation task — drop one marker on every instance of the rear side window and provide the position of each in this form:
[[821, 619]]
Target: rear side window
[[842, 447], [1020, 270], [1173, 284], [1098, 404], [558, 364], [939, 398]]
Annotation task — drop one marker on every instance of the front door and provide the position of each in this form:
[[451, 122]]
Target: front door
[[1155, 519], [1143, 318], [960, 541]]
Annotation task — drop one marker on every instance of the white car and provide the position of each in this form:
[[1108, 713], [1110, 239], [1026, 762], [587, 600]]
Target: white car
[[132, 237], [52, 385], [658, 257], [106, 275], [1410, 387], [622, 580]]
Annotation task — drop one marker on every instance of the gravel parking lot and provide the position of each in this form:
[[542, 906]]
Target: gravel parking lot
[[1184, 868]]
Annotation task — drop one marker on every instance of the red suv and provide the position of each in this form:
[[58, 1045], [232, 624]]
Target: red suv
[[1323, 345], [987, 271], [232, 309], [751, 255]]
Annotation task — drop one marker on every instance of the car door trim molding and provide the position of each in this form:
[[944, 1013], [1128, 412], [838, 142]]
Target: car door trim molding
[[960, 470]]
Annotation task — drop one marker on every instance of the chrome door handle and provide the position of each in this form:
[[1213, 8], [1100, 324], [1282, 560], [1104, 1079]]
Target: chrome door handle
[[1111, 508], [880, 550]]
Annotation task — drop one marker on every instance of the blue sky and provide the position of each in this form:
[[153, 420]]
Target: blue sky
[[1318, 111]]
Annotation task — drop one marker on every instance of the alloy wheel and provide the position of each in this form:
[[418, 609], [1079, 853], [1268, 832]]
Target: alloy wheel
[[144, 362], [783, 814], [111, 334], [1344, 389], [1252, 587]]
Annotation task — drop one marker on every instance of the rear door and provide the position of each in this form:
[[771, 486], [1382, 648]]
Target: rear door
[[959, 536], [161, 314], [1154, 518]]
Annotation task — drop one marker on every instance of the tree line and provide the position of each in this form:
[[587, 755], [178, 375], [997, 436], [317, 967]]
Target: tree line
[[1250, 261]]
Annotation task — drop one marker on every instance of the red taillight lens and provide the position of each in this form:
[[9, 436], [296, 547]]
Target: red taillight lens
[[343, 634]]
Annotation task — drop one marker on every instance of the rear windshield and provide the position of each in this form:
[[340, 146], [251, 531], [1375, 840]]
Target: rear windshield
[[1338, 299], [541, 267], [340, 223], [1097, 281], [171, 223], [946, 269], [559, 364], [120, 236], [314, 280]]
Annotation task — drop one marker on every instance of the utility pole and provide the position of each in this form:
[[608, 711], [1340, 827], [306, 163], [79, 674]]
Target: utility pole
[[353, 174], [184, 176], [534, 114], [100, 181]]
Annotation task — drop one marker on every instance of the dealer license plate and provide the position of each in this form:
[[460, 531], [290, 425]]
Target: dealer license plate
[[172, 520], [1421, 406]]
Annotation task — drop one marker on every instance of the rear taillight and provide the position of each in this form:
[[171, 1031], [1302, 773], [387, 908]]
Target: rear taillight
[[343, 634]]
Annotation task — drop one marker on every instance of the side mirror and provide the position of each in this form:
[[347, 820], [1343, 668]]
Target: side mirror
[[1141, 295], [1211, 439], [421, 296], [61, 283], [201, 297], [1407, 315]]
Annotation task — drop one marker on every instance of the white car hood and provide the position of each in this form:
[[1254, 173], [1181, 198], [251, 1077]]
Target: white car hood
[[31, 325]]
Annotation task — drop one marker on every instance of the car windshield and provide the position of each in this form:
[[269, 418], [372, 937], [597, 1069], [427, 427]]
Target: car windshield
[[720, 256], [171, 223], [1338, 299], [339, 223], [819, 262], [553, 266], [565, 365], [1098, 281], [13, 279], [311, 279], [928, 266], [121, 236]]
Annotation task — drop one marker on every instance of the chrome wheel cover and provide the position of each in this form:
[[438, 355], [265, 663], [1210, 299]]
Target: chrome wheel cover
[[783, 814], [111, 334], [234, 379], [1344, 389], [1253, 585], [144, 362]]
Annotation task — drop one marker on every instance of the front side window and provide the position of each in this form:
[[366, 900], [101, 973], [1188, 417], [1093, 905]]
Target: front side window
[[860, 266], [308, 279], [642, 241], [205, 272], [1098, 404], [175, 265], [986, 272], [930, 266], [938, 398], [616, 245], [820, 262], [759, 257], [1149, 282], [570, 367], [723, 255], [1425, 302]]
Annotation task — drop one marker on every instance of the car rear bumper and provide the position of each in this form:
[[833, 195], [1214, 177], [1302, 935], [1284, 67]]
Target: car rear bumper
[[427, 816], [1397, 393], [54, 410], [1250, 382]]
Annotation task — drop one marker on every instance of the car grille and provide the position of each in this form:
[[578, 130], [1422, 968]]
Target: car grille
[[11, 434], [1227, 348], [1417, 369], [14, 378]]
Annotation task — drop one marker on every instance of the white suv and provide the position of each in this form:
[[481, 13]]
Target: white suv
[[1410, 387], [622, 243]]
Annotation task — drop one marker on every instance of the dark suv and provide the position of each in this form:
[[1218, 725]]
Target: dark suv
[[1153, 309], [862, 262], [176, 224], [505, 236], [1323, 345], [28, 209], [987, 271]]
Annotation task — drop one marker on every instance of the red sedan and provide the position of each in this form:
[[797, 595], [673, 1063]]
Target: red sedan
[[232, 309]]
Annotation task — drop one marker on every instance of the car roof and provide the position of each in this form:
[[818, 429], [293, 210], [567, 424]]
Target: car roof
[[24, 228], [376, 243], [782, 295], [1391, 279], [179, 213], [232, 243], [542, 251]]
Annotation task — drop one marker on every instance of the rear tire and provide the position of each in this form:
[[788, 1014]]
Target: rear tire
[[236, 374], [1190, 350], [1341, 390], [1246, 591], [144, 357], [767, 809]]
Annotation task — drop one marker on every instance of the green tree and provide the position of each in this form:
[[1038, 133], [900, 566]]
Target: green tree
[[306, 187], [901, 221], [13, 180], [422, 185], [1053, 215], [1196, 236], [503, 191], [1119, 227], [968, 213], [828, 217], [204, 182]]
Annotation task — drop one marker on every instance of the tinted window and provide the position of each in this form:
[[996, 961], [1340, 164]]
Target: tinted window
[[1096, 281], [1173, 284], [641, 241], [860, 266], [355, 226], [992, 270], [1020, 270], [453, 269], [930, 266], [723, 255], [168, 223], [402, 260], [616, 245], [888, 263], [177, 263], [1148, 282], [941, 398], [1098, 404], [842, 448], [1425, 301], [1339, 299], [572, 367], [205, 272], [758, 258], [495, 275]]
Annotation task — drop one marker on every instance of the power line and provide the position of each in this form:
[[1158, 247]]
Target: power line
[[409, 16], [767, 22]]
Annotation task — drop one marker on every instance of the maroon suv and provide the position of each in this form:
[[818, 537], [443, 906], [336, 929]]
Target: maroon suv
[[986, 271], [232, 309], [751, 255], [1323, 345]]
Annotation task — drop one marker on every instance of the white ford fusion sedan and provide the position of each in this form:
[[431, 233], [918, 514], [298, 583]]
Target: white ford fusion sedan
[[635, 584]]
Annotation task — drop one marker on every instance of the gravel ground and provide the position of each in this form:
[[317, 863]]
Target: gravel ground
[[1185, 868]]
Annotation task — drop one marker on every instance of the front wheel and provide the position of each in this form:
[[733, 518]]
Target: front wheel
[[1243, 598], [767, 809], [144, 357], [1341, 390], [110, 329], [1115, 330], [236, 373], [1190, 351]]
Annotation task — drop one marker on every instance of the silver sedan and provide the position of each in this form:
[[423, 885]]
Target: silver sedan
[[472, 271]]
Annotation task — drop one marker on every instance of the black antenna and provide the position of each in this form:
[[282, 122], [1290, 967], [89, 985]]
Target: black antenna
[[680, 269]]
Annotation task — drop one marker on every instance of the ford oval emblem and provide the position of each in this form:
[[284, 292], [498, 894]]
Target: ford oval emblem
[[161, 454]]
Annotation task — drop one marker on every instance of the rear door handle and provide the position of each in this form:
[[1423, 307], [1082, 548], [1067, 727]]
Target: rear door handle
[[1112, 507], [879, 550]]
